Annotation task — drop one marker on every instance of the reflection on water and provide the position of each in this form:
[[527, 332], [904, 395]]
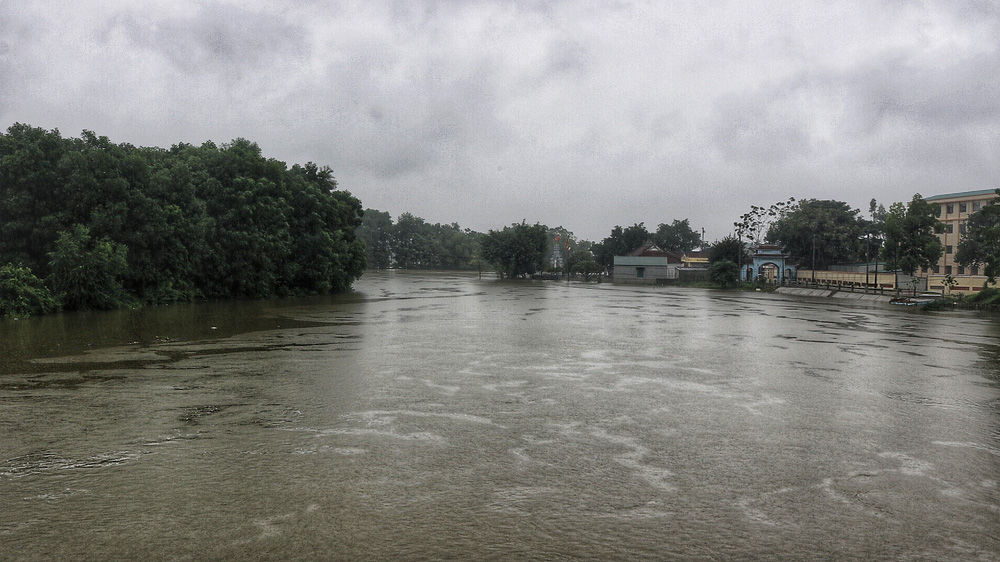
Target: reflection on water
[[443, 416]]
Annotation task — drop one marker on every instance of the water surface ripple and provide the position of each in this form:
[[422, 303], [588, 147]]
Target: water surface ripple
[[434, 416]]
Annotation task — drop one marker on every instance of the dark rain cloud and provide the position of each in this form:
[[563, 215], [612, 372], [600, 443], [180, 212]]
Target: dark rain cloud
[[585, 114], [219, 39]]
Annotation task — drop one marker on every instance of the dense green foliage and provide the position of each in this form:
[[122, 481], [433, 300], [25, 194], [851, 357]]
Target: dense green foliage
[[87, 274], [830, 230], [106, 224], [376, 232], [731, 249], [22, 293], [412, 243], [989, 295], [980, 246], [620, 243], [677, 236], [564, 244], [874, 230], [586, 269], [724, 273], [909, 238], [516, 251]]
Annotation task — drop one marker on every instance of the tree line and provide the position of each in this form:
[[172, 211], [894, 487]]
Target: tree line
[[412, 243], [517, 250], [89, 224], [816, 233]]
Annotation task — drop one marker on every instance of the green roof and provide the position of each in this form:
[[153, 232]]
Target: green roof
[[962, 194]]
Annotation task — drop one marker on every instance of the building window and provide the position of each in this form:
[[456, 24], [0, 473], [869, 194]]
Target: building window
[[947, 270], [947, 249], [962, 208], [951, 208], [961, 228], [974, 270], [961, 270], [640, 272], [976, 205], [937, 269], [949, 228], [937, 212]]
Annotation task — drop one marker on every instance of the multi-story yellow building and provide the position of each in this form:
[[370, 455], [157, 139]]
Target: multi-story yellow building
[[953, 209]]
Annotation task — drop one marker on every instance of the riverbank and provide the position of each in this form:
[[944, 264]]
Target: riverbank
[[956, 303], [807, 292]]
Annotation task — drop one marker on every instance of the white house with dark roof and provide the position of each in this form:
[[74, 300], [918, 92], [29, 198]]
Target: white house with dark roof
[[647, 265]]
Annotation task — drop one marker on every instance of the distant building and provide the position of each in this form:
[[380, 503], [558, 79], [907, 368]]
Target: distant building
[[695, 259], [953, 210], [647, 265]]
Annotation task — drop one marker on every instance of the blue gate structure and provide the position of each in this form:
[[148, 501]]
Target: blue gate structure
[[770, 264]]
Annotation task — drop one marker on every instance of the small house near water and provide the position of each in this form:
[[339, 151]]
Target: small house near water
[[647, 265]]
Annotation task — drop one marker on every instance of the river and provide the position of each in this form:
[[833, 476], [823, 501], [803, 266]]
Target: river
[[440, 416]]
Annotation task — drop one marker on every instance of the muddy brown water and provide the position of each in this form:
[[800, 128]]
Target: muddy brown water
[[440, 416]]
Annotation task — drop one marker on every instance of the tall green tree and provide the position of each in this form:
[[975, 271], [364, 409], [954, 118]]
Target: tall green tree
[[459, 246], [517, 250], [729, 248], [910, 236], [586, 268], [33, 197], [677, 235], [414, 245], [22, 293], [87, 274], [831, 229], [376, 231], [621, 242], [724, 273], [980, 245], [874, 228]]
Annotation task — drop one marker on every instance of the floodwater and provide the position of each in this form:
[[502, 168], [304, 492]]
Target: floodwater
[[435, 416]]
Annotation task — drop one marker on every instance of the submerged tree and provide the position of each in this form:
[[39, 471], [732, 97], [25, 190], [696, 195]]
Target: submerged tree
[[87, 274], [413, 243], [189, 222], [515, 251], [22, 293]]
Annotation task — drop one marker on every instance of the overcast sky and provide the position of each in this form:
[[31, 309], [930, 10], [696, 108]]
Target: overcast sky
[[570, 113]]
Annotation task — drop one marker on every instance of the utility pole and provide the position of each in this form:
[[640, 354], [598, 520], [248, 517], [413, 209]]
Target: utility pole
[[814, 259], [867, 258]]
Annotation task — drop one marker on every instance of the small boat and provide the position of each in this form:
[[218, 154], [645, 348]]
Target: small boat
[[917, 300], [910, 301]]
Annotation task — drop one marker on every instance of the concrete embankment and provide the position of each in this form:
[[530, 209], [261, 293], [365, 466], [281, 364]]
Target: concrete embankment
[[806, 292]]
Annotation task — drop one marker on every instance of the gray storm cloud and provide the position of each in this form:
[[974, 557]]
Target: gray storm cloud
[[580, 114]]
